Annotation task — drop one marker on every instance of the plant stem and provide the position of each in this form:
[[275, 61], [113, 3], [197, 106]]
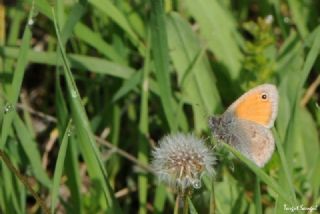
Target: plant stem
[[24, 180], [212, 200], [185, 204], [176, 206]]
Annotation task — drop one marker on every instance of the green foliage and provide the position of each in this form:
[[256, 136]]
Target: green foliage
[[128, 72], [259, 62]]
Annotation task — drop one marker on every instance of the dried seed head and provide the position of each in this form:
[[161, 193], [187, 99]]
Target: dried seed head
[[180, 161]]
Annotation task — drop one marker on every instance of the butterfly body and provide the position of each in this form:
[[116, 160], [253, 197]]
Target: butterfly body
[[221, 126], [246, 124]]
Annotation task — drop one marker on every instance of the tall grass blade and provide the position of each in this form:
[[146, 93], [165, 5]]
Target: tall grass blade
[[160, 55], [86, 137], [59, 167], [261, 174], [16, 83]]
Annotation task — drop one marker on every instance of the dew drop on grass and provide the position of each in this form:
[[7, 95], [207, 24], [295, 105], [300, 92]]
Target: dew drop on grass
[[286, 20], [269, 19], [196, 184], [30, 22], [8, 108], [73, 94], [231, 166], [34, 14], [70, 131]]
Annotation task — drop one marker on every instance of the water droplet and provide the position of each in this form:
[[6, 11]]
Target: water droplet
[[196, 184], [70, 131], [30, 22], [74, 94], [34, 13], [8, 108], [269, 19], [231, 166], [286, 20]]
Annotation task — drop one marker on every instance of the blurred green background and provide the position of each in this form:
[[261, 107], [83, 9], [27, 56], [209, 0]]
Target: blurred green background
[[87, 88]]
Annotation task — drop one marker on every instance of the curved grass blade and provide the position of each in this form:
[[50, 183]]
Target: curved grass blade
[[108, 8], [285, 168], [195, 76], [217, 26], [95, 40], [257, 196], [87, 142], [309, 62], [143, 151], [29, 146], [80, 62], [192, 209], [59, 167], [260, 173], [159, 46], [18, 75], [159, 198]]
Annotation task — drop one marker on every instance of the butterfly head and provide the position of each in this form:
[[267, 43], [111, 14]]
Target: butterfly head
[[219, 126]]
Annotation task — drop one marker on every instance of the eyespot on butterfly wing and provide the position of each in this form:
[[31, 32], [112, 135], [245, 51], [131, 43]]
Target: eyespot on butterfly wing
[[259, 105]]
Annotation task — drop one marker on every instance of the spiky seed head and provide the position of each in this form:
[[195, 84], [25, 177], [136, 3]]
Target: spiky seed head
[[181, 160]]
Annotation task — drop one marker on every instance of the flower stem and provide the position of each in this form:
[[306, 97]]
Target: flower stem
[[176, 206], [181, 204], [185, 204], [212, 200]]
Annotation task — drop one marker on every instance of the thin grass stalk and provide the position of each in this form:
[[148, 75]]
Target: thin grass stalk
[[212, 199], [23, 180]]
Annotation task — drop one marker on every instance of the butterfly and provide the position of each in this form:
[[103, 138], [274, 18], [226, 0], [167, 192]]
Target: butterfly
[[246, 124]]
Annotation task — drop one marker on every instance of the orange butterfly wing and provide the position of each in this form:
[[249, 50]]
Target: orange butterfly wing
[[255, 109], [258, 105]]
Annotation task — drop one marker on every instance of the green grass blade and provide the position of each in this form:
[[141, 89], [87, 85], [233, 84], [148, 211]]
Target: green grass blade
[[218, 29], [72, 170], [71, 163], [279, 18], [43, 7], [86, 137], [109, 9], [257, 197], [161, 60], [311, 57], [8, 190], [59, 167], [160, 198], [16, 83], [195, 76], [192, 209], [31, 150], [299, 18], [76, 13], [286, 169], [17, 18], [77, 61], [143, 151], [128, 86], [260, 173], [95, 40], [314, 179], [309, 62]]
